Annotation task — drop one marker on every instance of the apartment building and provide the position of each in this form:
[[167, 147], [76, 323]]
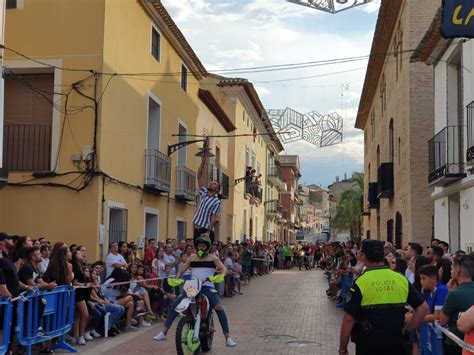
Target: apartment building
[[395, 113]]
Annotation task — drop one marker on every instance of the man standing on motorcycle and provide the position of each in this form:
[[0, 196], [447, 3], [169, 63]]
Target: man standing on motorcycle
[[203, 267]]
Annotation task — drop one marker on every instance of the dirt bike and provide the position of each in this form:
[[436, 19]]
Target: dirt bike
[[303, 261], [195, 331]]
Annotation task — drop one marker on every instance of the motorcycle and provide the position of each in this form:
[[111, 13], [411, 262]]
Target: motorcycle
[[195, 330], [303, 261]]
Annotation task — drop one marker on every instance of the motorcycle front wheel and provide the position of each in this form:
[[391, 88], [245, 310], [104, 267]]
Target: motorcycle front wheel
[[185, 325], [208, 334]]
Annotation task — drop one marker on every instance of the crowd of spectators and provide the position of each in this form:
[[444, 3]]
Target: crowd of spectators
[[446, 281], [130, 285]]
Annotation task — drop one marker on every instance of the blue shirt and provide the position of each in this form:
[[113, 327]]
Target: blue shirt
[[436, 299]]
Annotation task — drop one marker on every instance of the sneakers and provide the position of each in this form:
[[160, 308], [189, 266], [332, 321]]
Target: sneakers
[[145, 324], [81, 341], [131, 329], [230, 343], [160, 337], [95, 334], [88, 336], [152, 316]]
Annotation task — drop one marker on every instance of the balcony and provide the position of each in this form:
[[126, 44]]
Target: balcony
[[470, 134], [27, 147], [372, 197], [253, 192], [157, 171], [275, 177], [273, 209], [445, 156], [185, 184], [385, 181]]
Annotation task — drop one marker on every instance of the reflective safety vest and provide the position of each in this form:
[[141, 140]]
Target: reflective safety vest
[[380, 287]]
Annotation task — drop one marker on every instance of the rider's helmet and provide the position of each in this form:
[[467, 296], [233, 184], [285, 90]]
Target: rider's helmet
[[203, 239]]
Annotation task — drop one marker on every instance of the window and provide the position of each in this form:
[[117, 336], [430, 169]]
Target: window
[[28, 125], [182, 153], [398, 49], [390, 231], [383, 96], [11, 4], [184, 77], [391, 143], [117, 224], [372, 124], [243, 116], [398, 230], [151, 225], [399, 150], [181, 230], [154, 123], [247, 160], [155, 43], [378, 156], [218, 157]]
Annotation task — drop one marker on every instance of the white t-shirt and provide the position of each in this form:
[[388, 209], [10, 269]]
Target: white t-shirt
[[228, 263], [237, 270], [170, 260], [44, 265], [112, 259], [410, 275], [112, 294]]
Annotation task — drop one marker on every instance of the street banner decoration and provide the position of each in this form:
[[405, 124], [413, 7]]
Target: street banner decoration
[[312, 127], [458, 19]]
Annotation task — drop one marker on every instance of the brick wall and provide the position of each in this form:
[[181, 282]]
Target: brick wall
[[409, 103]]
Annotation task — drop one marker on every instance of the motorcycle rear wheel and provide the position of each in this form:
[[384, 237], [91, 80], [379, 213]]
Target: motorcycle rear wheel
[[185, 324]]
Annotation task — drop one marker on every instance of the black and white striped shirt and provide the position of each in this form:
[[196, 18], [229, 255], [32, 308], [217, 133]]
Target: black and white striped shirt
[[208, 205]]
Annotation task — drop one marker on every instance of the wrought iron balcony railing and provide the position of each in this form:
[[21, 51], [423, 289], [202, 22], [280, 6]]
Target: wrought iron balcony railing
[[273, 208], [253, 189], [446, 163], [470, 133], [157, 171], [275, 175], [185, 184]]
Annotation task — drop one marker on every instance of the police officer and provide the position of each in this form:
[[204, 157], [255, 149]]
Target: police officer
[[375, 311]]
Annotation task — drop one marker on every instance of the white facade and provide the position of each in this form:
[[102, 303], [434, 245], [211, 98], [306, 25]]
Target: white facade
[[454, 91]]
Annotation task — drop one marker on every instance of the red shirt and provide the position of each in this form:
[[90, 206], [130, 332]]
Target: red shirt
[[149, 256], [312, 249], [468, 338]]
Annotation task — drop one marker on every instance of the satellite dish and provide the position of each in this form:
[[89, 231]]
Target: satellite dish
[[3, 177]]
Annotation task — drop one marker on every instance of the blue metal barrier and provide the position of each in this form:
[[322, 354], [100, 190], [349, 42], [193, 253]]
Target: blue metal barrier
[[430, 339], [6, 318], [45, 315]]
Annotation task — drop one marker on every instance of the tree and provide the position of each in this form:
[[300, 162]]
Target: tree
[[348, 214]]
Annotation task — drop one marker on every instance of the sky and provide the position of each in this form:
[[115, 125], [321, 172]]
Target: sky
[[247, 33]]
